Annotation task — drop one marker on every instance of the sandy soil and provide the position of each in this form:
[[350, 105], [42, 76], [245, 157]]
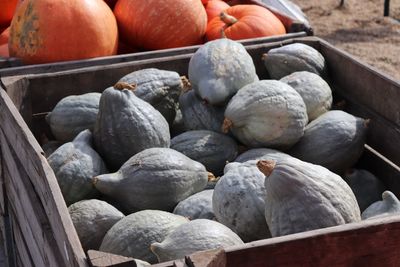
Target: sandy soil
[[359, 28]]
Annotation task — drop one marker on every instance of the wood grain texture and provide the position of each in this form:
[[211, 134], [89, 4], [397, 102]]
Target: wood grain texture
[[99, 259]]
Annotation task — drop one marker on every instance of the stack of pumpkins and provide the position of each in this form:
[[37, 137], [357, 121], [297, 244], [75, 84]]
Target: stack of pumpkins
[[287, 151], [93, 28]]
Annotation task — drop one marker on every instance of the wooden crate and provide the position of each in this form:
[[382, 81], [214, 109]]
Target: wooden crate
[[41, 229]]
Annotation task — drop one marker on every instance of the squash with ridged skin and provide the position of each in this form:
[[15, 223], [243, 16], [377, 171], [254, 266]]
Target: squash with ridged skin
[[197, 206], [389, 205], [126, 125], [266, 113], [133, 235], [301, 196], [155, 178], [287, 59], [219, 68], [74, 165], [73, 114], [261, 153], [214, 8]]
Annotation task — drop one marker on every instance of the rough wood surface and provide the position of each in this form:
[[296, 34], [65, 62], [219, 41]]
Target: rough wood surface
[[100, 259], [22, 249]]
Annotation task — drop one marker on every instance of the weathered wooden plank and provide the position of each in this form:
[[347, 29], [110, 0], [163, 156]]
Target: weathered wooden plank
[[42, 177], [19, 92], [100, 259], [23, 250]]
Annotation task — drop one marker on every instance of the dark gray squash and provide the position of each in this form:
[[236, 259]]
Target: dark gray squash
[[92, 219], [389, 205], [127, 125], [75, 164], [160, 88], [72, 115], [211, 149], [156, 178], [266, 114], [239, 201], [219, 68], [197, 206], [178, 125], [334, 140], [261, 153], [366, 187], [290, 58], [198, 115]]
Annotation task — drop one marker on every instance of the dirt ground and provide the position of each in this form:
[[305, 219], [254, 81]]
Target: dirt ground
[[360, 29]]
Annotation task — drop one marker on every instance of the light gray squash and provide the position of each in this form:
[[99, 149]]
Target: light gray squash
[[194, 236], [334, 140], [72, 115], [197, 206], [156, 178], [211, 149], [366, 187], [266, 114], [219, 68], [133, 235], [290, 58], [92, 219], [74, 165], [239, 201], [160, 88], [389, 205], [127, 125], [50, 147], [316, 93], [198, 115], [261, 153], [301, 196]]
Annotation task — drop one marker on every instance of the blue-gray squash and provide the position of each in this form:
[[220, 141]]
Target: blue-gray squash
[[156, 178], [160, 88], [127, 125], [266, 113], [389, 205], [239, 201], [92, 219], [72, 115], [75, 164], [197, 206], [133, 235], [261, 153], [290, 58], [198, 115], [314, 90], [334, 140], [219, 68], [301, 196], [366, 187], [211, 149]]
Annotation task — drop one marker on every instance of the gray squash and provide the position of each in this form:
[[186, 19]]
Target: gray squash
[[219, 68], [156, 178], [366, 187], [290, 58], [301, 196], [239, 201], [74, 165], [133, 235], [198, 115], [266, 114], [194, 236], [316, 93], [211, 149], [92, 219], [334, 140], [127, 125], [72, 115], [261, 153], [50, 147], [197, 206], [178, 126], [389, 205], [160, 88]]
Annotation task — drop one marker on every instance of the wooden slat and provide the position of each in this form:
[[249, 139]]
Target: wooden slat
[[42, 177], [100, 259], [23, 250]]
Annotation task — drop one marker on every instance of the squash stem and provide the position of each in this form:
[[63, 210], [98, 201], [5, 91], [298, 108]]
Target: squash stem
[[187, 86], [211, 177], [227, 125], [227, 19], [124, 85], [266, 166]]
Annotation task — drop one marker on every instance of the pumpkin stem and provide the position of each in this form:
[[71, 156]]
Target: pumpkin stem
[[266, 166], [187, 86], [124, 85], [367, 122], [227, 125], [223, 35], [211, 177], [227, 19], [95, 180]]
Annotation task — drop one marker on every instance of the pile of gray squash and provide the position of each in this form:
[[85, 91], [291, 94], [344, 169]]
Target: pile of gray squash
[[159, 166]]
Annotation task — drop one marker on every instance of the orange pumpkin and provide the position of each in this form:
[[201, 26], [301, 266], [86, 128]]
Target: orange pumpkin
[[4, 50], [111, 3], [58, 30], [214, 8], [7, 8], [243, 22], [155, 24], [4, 36]]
